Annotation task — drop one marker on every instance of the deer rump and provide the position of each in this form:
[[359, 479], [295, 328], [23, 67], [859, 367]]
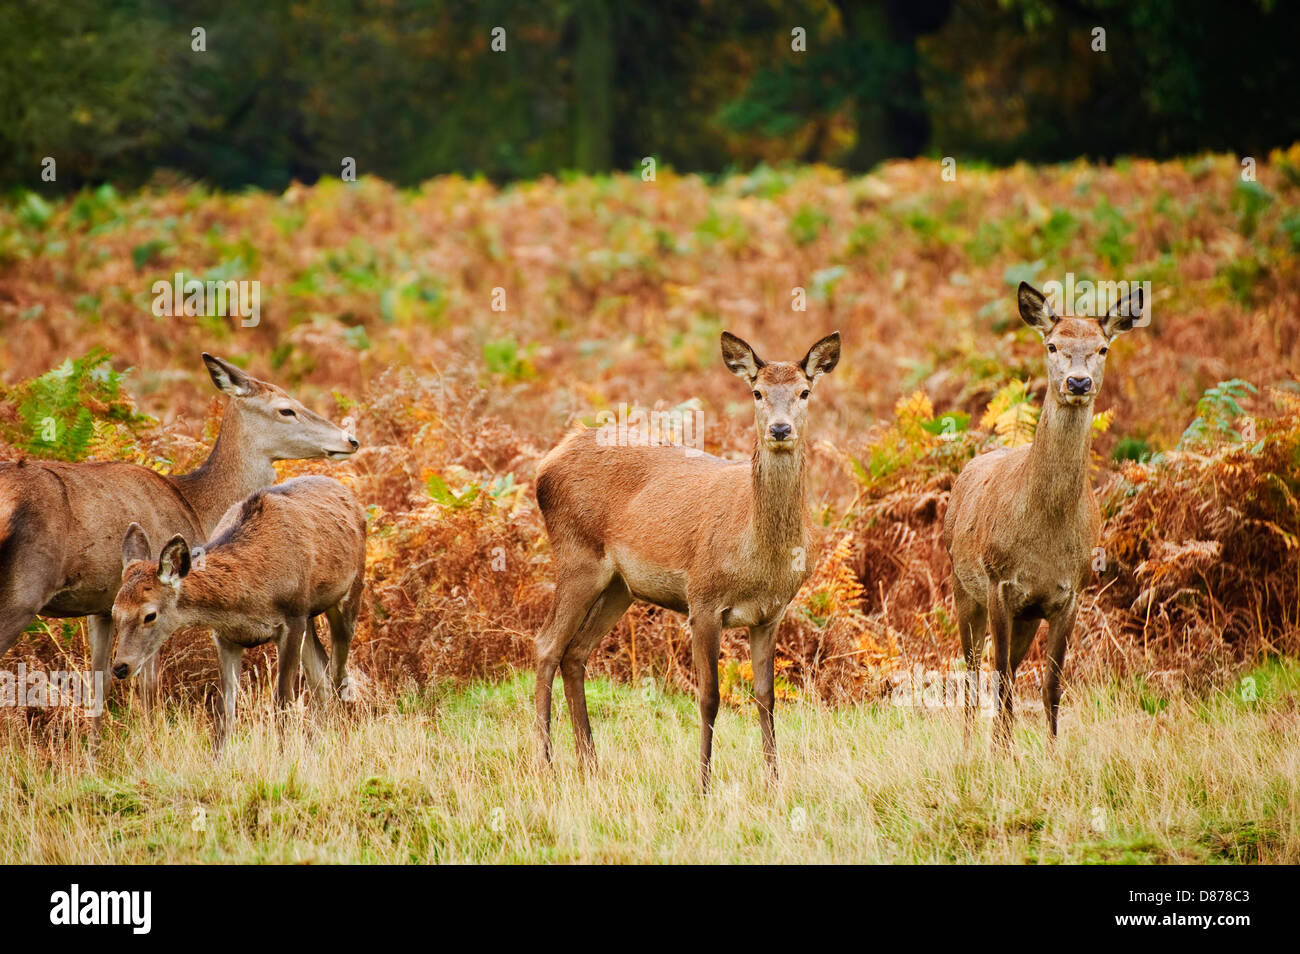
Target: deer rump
[[61, 527]]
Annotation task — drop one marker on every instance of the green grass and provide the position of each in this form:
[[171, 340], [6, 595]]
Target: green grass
[[448, 776]]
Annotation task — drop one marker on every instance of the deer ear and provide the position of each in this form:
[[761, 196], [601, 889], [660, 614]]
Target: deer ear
[[174, 561], [822, 357], [1125, 315], [740, 358], [228, 378], [135, 545], [1035, 310]]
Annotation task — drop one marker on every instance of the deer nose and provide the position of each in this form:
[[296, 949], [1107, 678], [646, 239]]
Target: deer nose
[[1078, 385], [120, 670], [354, 442], [780, 431]]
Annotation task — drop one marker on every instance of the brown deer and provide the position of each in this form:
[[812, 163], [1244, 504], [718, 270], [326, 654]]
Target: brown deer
[[723, 541], [1022, 523], [277, 561], [61, 523]]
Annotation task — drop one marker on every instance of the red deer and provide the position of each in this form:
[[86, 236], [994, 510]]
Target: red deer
[[1022, 523], [720, 540], [61, 523], [277, 561]]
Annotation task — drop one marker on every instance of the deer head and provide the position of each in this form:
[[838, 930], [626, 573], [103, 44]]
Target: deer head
[[279, 427], [781, 388], [146, 610], [1076, 347]]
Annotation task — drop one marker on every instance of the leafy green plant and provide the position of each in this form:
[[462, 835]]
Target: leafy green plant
[[58, 410], [1291, 229], [446, 497], [824, 281], [33, 211], [147, 252], [1241, 276], [954, 422], [99, 208], [1217, 413], [1112, 245], [504, 357], [807, 224], [1131, 448], [1250, 199]]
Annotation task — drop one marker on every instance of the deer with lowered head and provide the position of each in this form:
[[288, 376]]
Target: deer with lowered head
[[61, 523], [277, 560], [1022, 523], [722, 541]]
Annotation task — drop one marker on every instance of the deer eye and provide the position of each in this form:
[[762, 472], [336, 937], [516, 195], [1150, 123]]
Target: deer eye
[[1051, 349], [757, 396], [1103, 351], [804, 396], [287, 412], [150, 617]]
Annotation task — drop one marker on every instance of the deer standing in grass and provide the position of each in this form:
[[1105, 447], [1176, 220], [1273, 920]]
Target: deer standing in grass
[[1022, 522], [61, 523], [720, 540], [277, 561]]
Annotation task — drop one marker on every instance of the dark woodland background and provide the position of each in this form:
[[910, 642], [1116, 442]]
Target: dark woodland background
[[412, 90]]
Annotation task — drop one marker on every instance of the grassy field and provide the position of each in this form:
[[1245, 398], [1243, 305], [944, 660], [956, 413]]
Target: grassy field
[[447, 776], [464, 327]]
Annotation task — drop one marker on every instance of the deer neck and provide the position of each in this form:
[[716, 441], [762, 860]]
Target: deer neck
[[229, 474], [1058, 458], [202, 593], [777, 498]]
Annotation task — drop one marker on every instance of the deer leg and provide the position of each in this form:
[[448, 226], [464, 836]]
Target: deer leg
[[343, 624], [1000, 627], [575, 592], [1059, 631], [289, 650], [100, 630], [762, 652], [25, 591], [315, 665], [706, 643], [14, 620], [972, 620], [604, 613], [229, 658], [1023, 632]]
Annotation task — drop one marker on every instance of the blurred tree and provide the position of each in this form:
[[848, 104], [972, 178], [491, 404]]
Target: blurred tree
[[862, 58], [112, 89], [593, 76], [1176, 76], [94, 89]]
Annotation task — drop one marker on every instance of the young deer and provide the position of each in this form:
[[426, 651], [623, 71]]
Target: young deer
[[278, 559], [1022, 522], [722, 541], [60, 522]]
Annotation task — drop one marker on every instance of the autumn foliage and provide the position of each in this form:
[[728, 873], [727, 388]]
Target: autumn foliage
[[379, 304]]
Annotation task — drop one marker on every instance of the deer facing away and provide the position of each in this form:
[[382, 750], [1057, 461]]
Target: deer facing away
[[722, 541], [278, 559], [1022, 523], [60, 523]]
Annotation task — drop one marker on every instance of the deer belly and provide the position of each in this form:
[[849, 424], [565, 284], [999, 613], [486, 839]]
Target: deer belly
[[70, 603], [748, 614], [1038, 599], [655, 584]]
